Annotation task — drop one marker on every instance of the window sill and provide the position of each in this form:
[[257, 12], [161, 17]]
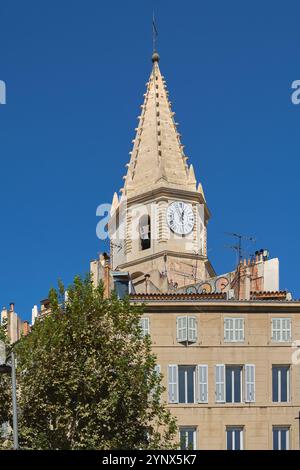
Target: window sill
[[280, 403], [234, 341], [187, 343]]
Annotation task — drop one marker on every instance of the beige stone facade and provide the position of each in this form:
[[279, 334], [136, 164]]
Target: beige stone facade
[[260, 416]]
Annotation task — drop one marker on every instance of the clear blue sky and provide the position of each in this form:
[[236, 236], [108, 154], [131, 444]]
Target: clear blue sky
[[75, 74]]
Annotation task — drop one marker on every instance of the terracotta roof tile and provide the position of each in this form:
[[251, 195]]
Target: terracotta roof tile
[[178, 296], [268, 295]]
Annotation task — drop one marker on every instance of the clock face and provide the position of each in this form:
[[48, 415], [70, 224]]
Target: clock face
[[180, 217]]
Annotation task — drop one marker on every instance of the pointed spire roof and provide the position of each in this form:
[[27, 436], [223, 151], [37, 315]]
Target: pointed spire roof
[[157, 158]]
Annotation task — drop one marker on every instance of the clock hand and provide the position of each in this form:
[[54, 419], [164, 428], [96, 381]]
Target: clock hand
[[182, 215], [178, 211]]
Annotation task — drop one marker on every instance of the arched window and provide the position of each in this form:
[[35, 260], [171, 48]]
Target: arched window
[[145, 232]]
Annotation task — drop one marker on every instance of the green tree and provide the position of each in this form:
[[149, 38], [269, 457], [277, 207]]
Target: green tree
[[87, 377], [5, 397]]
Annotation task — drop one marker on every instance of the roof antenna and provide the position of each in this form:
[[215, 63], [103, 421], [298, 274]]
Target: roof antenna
[[239, 247]]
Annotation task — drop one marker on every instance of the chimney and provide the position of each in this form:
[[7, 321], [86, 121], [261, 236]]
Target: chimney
[[12, 307], [106, 278], [34, 314], [26, 328]]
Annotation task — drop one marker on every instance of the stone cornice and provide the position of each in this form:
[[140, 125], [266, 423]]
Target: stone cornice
[[161, 304], [173, 254]]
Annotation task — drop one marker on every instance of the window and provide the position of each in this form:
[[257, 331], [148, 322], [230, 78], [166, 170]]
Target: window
[[145, 232], [188, 384], [233, 329], [186, 329], [234, 438], [233, 383], [186, 378], [281, 384], [187, 438], [281, 329], [280, 438], [144, 324], [182, 384]]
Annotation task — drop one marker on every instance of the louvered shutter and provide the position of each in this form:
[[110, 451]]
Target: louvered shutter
[[283, 329], [289, 329], [192, 329], [203, 383], [181, 329], [276, 329], [220, 383], [249, 382], [286, 334], [226, 329], [173, 383], [239, 329]]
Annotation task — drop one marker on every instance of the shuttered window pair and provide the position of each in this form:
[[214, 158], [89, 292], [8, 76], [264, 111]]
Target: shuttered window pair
[[281, 329], [233, 329], [181, 386], [186, 329], [229, 384]]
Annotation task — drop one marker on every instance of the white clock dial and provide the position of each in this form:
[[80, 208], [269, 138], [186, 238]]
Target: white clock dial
[[180, 217]]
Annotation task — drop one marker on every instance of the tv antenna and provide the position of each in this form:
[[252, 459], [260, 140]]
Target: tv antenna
[[238, 247]]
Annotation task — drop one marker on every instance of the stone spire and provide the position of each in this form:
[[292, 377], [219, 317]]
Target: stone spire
[[157, 158]]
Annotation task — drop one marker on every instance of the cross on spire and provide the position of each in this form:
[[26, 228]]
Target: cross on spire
[[154, 33]]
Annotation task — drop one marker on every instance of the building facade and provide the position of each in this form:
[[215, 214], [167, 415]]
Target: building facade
[[227, 345], [14, 325], [230, 368]]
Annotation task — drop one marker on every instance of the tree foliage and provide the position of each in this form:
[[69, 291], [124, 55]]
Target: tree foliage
[[87, 379], [5, 397]]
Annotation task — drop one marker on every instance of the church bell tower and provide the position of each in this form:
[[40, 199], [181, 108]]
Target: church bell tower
[[158, 225]]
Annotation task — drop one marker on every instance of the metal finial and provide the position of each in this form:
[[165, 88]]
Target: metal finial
[[155, 57]]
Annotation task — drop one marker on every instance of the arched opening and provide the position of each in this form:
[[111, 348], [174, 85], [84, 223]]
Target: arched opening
[[145, 232]]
